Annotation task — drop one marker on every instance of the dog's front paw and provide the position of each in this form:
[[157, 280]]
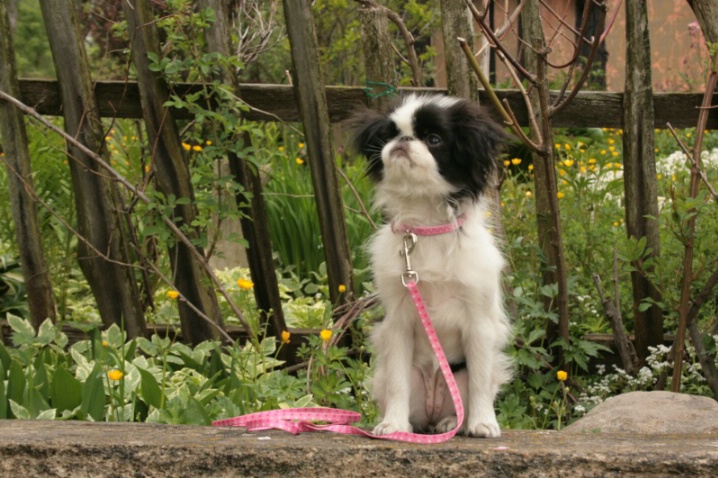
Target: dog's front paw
[[485, 429], [387, 428], [445, 425]]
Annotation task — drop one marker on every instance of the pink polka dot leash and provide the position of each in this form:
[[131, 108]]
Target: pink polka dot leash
[[298, 420]]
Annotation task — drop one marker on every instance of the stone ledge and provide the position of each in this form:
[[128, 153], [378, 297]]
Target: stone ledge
[[78, 449]]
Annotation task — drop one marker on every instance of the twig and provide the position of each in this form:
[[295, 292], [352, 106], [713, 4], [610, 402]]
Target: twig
[[625, 348], [562, 102], [692, 160], [122, 180], [684, 304], [529, 107], [363, 208], [494, 40], [506, 113]]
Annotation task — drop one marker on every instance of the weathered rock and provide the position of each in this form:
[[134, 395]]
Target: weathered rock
[[651, 412], [82, 449]]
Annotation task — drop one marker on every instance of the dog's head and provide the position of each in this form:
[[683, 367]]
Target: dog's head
[[430, 146]]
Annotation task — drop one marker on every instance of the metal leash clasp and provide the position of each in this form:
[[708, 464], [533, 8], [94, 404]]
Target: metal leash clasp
[[409, 275]]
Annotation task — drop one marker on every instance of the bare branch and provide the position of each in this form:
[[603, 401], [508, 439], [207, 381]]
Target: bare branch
[[496, 42], [506, 113], [363, 208], [692, 160], [561, 102]]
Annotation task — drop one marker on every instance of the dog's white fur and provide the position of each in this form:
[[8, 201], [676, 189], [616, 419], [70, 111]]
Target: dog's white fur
[[459, 279]]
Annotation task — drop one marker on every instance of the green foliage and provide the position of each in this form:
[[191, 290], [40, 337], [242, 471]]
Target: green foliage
[[106, 378], [34, 59]]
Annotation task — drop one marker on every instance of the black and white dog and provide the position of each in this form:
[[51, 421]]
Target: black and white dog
[[432, 158]]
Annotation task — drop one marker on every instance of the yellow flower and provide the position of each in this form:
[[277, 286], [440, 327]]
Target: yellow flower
[[655, 150], [301, 145], [659, 176], [245, 284], [325, 335], [115, 374], [567, 146], [568, 163], [531, 167], [286, 337], [688, 135], [592, 161], [104, 343], [186, 146], [507, 162], [208, 142], [611, 141], [615, 153], [560, 195], [561, 172], [528, 194], [561, 376], [558, 145], [516, 161], [603, 152], [299, 161], [281, 149], [147, 168], [611, 148], [616, 223], [342, 288], [172, 294], [197, 148]]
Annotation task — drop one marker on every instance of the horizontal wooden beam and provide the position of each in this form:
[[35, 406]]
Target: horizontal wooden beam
[[277, 103]]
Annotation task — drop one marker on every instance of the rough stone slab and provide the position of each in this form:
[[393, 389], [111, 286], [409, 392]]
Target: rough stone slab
[[82, 449]]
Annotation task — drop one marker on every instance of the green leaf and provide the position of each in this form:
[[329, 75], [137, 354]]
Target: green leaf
[[48, 414], [3, 395], [150, 389], [19, 411], [114, 336], [66, 390], [46, 333], [16, 382], [23, 333], [4, 359], [195, 413], [93, 395]]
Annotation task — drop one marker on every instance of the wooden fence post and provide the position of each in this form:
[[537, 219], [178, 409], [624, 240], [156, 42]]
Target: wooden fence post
[[100, 216], [378, 55], [457, 22], [19, 174], [309, 92], [547, 208], [639, 171], [172, 175], [255, 227]]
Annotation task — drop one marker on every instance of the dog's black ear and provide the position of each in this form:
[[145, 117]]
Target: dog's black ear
[[479, 141], [372, 131]]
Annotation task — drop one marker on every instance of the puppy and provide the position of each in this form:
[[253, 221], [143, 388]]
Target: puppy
[[432, 158]]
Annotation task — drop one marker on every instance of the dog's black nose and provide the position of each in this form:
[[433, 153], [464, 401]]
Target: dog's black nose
[[405, 139]]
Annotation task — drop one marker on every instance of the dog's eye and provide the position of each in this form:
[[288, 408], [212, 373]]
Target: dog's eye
[[433, 140]]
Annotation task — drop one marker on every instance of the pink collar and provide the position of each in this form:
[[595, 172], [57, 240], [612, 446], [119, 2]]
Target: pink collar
[[429, 230]]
